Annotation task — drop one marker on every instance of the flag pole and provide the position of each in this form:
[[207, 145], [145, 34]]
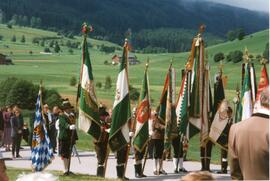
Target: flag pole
[[147, 145], [85, 29], [84, 26], [106, 159], [41, 104], [145, 155], [126, 48], [40, 88], [71, 147]]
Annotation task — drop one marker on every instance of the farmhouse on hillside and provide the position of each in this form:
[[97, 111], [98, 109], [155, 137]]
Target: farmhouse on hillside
[[132, 59], [4, 60]]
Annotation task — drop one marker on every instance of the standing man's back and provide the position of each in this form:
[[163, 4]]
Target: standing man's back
[[249, 145]]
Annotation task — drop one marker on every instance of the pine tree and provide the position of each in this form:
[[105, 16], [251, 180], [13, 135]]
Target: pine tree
[[57, 48], [108, 83], [23, 39], [13, 39]]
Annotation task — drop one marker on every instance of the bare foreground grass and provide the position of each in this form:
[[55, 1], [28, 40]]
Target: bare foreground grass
[[13, 174]]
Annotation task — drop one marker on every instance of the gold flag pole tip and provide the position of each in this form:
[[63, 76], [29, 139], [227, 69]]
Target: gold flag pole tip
[[202, 28], [40, 83], [147, 62], [246, 56], [86, 28], [126, 42], [263, 61]]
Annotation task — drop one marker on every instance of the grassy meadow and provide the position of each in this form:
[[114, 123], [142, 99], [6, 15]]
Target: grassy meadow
[[56, 69]]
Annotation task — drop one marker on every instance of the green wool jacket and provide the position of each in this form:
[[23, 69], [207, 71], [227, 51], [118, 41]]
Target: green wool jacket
[[64, 131]]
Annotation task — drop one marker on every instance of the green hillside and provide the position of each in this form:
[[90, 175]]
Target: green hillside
[[56, 69], [254, 42]]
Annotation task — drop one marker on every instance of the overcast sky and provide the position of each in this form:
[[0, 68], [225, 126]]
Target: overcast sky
[[258, 5]]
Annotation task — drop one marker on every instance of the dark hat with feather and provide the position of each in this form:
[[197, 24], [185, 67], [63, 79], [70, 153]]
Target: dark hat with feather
[[66, 104]]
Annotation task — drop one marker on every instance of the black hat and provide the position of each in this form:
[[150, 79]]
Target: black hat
[[66, 105]]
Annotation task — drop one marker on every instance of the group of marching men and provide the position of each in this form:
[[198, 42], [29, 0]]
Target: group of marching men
[[156, 141], [214, 123], [156, 132]]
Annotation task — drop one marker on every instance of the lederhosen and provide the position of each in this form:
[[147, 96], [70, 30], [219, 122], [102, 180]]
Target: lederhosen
[[101, 148], [158, 143], [206, 153], [176, 143], [223, 139], [139, 155], [177, 147], [122, 156]]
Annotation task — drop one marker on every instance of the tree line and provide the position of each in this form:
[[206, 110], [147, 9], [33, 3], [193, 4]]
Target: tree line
[[237, 56], [24, 93], [111, 19], [170, 40], [22, 20]]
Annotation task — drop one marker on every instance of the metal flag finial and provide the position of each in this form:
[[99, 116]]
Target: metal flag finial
[[172, 59], [147, 62], [221, 66], [86, 28], [126, 42], [202, 28], [246, 56], [237, 89], [263, 61]]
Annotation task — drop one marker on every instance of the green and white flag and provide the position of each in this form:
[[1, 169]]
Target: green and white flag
[[182, 107], [253, 85], [246, 99], [119, 132], [143, 115], [88, 111]]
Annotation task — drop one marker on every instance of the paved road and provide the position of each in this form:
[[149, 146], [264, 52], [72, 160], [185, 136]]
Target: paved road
[[89, 162]]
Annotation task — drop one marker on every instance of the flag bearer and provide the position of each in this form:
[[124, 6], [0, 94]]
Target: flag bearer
[[101, 145], [178, 153], [158, 128], [66, 142]]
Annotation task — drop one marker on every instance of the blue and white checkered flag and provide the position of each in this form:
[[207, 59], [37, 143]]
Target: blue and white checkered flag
[[42, 152]]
